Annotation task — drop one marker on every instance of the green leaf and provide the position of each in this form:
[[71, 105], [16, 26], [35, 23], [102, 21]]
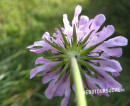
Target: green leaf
[[56, 66], [84, 41], [65, 40], [82, 52], [74, 44], [56, 47], [63, 71], [89, 67], [8, 59], [91, 58]]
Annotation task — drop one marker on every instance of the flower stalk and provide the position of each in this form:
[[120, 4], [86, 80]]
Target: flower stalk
[[80, 94]]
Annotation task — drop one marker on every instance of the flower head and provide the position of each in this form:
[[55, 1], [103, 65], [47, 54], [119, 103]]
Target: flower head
[[83, 40]]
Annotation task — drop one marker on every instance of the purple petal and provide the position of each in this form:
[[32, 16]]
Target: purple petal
[[106, 32], [109, 69], [86, 27], [115, 74], [78, 10], [48, 66], [100, 36], [59, 42], [41, 60], [57, 34], [110, 82], [44, 46], [115, 52], [38, 43], [68, 30], [51, 89], [93, 82], [112, 63], [62, 86], [46, 79], [45, 67], [34, 71], [49, 77], [67, 96], [117, 41], [46, 35], [107, 52], [109, 63], [64, 102], [66, 21], [81, 30], [98, 21], [83, 20]]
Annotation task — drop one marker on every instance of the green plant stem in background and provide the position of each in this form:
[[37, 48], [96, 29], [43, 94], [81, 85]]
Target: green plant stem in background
[[80, 94]]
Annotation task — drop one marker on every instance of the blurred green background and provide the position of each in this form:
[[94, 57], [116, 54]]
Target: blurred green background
[[24, 21]]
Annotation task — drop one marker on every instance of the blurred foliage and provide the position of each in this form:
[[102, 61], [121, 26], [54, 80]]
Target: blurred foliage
[[24, 21]]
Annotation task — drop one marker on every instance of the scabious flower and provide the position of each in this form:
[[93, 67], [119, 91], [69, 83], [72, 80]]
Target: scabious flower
[[92, 50]]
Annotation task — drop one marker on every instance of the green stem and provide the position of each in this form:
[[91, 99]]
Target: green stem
[[80, 94]]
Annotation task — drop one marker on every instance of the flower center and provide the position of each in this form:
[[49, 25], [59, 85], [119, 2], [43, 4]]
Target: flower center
[[70, 54], [73, 53]]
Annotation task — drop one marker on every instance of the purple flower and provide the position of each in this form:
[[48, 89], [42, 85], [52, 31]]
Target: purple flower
[[89, 45]]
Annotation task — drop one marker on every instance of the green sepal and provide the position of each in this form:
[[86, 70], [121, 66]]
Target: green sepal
[[91, 58], [71, 78], [63, 71], [83, 76], [74, 44], [82, 52], [84, 41], [89, 67], [65, 40], [56, 57], [56, 47], [61, 63], [72, 96], [47, 53]]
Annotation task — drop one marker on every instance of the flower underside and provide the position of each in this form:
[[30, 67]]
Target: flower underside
[[75, 49], [91, 48]]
